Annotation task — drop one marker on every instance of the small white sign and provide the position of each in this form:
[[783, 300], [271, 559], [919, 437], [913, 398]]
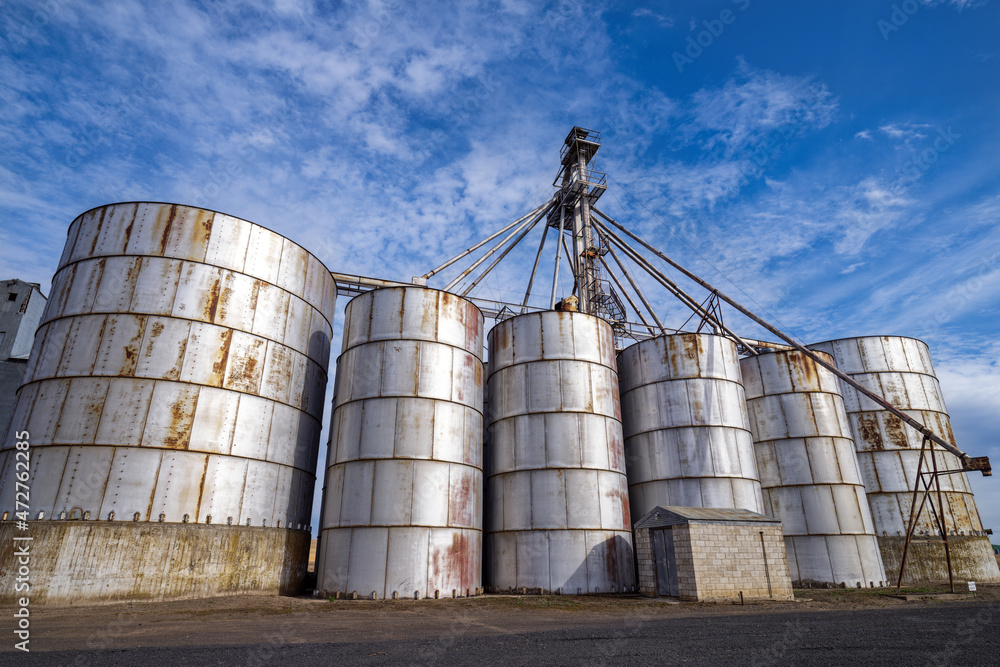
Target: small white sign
[[972, 586]]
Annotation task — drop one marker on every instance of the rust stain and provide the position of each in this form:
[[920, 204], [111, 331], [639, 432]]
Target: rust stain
[[870, 433], [154, 333], [226, 296], [472, 330], [102, 263], [97, 232], [616, 397], [133, 274], [213, 300], [201, 490], [471, 563], [806, 367], [128, 230], [505, 336], [616, 453], [428, 320], [469, 364], [689, 347], [244, 369], [699, 415], [254, 293], [447, 561], [132, 349], [178, 433], [219, 366], [175, 372], [206, 225], [460, 503], [611, 559], [894, 430], [166, 228], [280, 373]]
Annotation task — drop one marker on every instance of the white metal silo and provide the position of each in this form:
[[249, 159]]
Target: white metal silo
[[557, 495], [402, 512], [808, 470], [174, 396], [687, 438], [900, 370]]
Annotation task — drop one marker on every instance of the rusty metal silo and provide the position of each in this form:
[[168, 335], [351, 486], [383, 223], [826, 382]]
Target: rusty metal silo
[[402, 510], [173, 404], [900, 370], [808, 470], [556, 495], [687, 438]]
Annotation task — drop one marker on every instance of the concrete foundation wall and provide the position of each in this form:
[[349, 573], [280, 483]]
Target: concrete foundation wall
[[972, 559], [718, 562], [88, 562]]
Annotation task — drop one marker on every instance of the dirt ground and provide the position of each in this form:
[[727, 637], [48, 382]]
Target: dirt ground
[[249, 620]]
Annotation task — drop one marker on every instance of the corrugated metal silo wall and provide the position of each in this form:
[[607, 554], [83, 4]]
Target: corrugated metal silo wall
[[556, 490], [687, 438], [900, 370], [178, 376], [402, 511], [808, 469]]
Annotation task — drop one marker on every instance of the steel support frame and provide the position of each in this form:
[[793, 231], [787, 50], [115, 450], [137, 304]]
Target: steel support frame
[[981, 464], [937, 513]]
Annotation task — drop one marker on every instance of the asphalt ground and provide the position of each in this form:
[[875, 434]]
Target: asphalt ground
[[829, 628]]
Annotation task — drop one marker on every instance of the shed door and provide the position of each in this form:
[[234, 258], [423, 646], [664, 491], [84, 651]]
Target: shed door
[[666, 564]]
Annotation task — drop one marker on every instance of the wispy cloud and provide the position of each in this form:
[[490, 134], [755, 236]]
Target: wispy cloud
[[905, 132], [645, 12]]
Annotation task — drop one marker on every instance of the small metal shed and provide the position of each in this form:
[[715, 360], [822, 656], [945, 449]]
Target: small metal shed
[[711, 554]]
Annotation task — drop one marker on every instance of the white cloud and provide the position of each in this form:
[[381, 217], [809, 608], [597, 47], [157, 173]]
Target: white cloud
[[905, 132], [755, 105], [644, 12]]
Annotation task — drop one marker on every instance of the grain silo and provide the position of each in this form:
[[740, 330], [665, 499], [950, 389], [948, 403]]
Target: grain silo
[[900, 370], [173, 406], [402, 511], [808, 470], [556, 494], [687, 438]]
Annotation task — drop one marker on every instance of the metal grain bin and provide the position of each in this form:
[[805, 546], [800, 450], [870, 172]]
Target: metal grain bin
[[687, 438], [900, 370], [808, 470], [402, 508], [556, 491], [177, 377]]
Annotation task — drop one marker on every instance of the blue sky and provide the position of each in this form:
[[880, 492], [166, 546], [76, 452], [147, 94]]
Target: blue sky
[[835, 161]]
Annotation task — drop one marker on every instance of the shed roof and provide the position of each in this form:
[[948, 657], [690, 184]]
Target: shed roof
[[672, 516]]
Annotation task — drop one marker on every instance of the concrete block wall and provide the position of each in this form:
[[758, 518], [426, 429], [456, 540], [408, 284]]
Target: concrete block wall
[[643, 541], [718, 561]]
